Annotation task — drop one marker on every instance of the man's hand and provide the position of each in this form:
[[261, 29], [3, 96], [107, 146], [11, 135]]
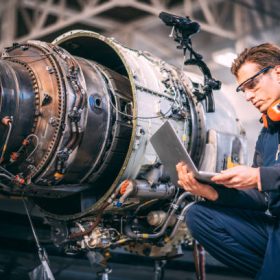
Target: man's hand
[[190, 184], [239, 177]]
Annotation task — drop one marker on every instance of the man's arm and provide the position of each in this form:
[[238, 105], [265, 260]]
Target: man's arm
[[270, 178], [247, 199], [270, 175]]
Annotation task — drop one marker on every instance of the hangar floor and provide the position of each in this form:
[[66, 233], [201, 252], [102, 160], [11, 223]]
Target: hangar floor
[[18, 256], [15, 265]]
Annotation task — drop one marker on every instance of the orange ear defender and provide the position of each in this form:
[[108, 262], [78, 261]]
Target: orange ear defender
[[273, 111], [272, 115]]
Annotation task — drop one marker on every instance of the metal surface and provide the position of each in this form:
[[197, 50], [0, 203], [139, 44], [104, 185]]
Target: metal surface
[[80, 141]]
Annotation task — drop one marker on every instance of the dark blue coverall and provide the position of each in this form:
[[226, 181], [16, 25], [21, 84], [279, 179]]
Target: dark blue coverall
[[242, 228]]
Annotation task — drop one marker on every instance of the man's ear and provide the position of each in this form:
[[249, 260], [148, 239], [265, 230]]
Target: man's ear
[[277, 71]]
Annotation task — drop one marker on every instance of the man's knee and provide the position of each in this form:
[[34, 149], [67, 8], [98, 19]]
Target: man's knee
[[194, 216], [199, 217]]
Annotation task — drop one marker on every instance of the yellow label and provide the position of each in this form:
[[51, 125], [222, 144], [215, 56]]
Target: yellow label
[[230, 163]]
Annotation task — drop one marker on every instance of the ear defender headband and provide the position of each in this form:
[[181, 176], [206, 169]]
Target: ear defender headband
[[273, 114]]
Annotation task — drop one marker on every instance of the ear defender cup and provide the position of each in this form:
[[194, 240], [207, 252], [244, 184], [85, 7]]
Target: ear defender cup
[[272, 117], [273, 111]]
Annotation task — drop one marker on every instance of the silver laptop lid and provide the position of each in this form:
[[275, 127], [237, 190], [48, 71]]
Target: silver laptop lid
[[170, 149]]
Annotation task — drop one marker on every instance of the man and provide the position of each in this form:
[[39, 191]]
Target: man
[[239, 221]]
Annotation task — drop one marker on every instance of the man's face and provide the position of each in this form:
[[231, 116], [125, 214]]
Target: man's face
[[264, 89]]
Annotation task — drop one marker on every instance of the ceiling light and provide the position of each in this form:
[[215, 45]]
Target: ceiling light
[[224, 57]]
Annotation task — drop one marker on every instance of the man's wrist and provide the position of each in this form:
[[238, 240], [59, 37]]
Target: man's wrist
[[211, 193]]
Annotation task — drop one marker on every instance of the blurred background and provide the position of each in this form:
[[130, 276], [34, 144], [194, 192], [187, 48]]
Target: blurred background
[[227, 27]]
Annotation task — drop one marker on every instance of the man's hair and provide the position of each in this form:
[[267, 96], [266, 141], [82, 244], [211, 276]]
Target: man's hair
[[263, 55]]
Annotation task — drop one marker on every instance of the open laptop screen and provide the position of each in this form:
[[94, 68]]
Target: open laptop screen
[[171, 151]]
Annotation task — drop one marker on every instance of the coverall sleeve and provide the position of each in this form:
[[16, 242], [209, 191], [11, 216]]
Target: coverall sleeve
[[270, 175], [246, 199], [270, 178]]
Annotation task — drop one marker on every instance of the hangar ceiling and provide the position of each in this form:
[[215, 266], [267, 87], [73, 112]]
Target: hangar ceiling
[[135, 22]]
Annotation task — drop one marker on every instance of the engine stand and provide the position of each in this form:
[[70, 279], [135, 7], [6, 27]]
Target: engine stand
[[159, 269], [104, 274], [199, 260], [99, 260]]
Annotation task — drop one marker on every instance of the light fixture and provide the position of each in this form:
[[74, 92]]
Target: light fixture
[[224, 57]]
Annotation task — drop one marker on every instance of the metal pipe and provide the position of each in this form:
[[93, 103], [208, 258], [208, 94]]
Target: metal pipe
[[5, 176], [180, 219], [163, 228], [5, 188], [6, 171], [6, 141]]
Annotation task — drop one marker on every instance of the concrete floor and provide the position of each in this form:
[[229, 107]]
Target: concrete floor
[[18, 256], [15, 265], [138, 272]]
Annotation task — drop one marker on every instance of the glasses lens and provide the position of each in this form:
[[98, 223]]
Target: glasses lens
[[250, 83]]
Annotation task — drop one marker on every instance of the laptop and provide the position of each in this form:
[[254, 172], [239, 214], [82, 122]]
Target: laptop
[[171, 151]]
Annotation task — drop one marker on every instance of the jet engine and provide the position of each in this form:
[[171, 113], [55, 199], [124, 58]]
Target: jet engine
[[76, 117]]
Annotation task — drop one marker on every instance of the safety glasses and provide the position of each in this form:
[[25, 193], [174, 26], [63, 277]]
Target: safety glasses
[[250, 83]]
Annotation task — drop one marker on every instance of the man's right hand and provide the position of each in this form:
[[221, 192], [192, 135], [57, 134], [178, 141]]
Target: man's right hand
[[190, 184]]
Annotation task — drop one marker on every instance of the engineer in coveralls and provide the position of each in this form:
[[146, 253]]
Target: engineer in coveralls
[[239, 221]]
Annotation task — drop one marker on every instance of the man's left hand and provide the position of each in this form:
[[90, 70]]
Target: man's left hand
[[239, 177]]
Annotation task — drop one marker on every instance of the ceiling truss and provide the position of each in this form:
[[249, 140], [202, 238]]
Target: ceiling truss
[[23, 20]]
